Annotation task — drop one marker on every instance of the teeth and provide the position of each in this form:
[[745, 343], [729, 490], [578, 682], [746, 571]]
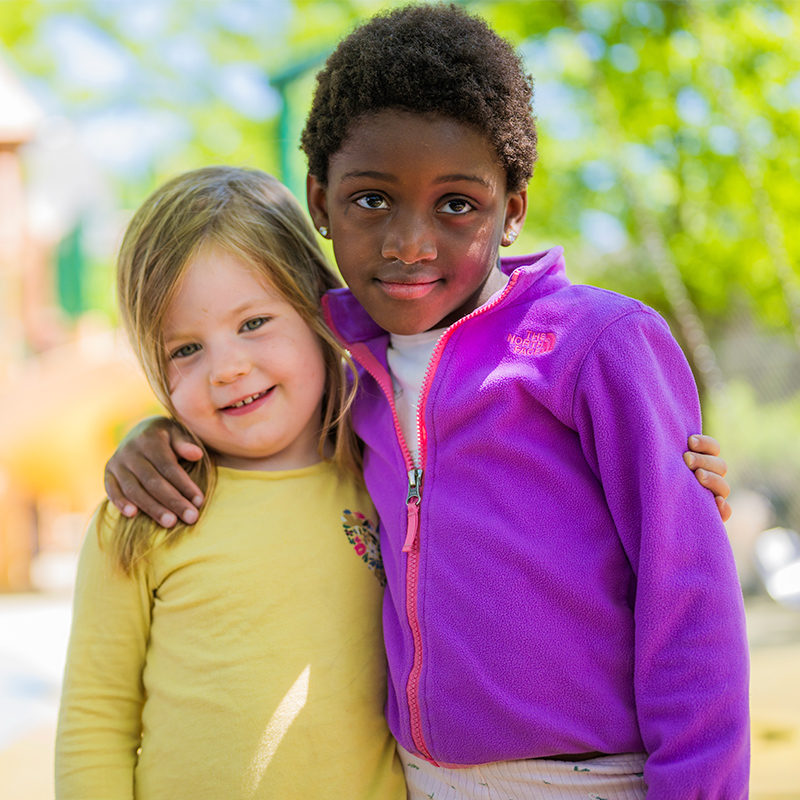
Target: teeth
[[247, 400]]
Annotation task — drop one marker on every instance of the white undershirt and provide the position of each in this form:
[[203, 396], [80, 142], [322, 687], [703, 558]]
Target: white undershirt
[[408, 358]]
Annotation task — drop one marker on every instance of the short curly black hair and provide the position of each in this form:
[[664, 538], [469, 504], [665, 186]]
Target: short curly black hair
[[429, 59]]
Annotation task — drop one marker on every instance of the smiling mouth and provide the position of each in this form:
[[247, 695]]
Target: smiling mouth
[[247, 400]]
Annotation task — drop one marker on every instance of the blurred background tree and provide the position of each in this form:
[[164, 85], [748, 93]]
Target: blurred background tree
[[669, 161]]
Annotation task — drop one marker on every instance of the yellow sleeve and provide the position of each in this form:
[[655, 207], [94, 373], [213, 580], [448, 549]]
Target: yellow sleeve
[[99, 725]]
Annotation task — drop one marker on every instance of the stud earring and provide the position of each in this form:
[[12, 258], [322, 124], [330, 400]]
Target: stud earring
[[511, 236], [323, 231]]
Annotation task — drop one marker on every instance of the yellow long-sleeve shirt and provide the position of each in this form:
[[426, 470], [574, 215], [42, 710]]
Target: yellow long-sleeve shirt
[[246, 661]]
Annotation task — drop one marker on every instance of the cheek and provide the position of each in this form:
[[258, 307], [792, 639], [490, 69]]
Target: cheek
[[173, 378], [487, 239], [184, 395], [316, 367], [351, 257], [482, 254], [314, 372]]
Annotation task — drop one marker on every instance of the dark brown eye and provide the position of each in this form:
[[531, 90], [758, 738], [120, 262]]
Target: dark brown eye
[[372, 201], [456, 206]]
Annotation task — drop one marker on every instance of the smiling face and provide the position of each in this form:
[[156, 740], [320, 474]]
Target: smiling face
[[417, 209], [246, 374]]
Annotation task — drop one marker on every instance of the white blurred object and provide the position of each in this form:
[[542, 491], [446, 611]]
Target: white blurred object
[[777, 556], [21, 113], [753, 514]]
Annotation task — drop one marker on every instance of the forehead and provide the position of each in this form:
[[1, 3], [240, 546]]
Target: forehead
[[214, 283], [401, 144]]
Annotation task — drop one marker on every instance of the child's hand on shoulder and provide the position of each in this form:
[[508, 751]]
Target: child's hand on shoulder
[[704, 460], [144, 474]]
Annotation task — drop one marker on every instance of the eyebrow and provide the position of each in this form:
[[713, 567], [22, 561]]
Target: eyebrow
[[240, 309], [369, 173], [389, 178], [459, 176], [234, 312]]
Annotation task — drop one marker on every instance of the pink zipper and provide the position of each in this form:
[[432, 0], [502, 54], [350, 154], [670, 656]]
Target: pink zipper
[[411, 545], [367, 359], [363, 354]]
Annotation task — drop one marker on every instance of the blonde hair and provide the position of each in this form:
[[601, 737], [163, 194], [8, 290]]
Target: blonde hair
[[254, 217]]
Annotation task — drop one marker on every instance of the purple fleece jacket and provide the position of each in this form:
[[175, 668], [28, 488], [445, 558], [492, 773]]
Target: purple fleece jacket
[[568, 586]]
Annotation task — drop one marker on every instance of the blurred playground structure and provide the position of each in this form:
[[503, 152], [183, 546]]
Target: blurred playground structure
[[68, 386]]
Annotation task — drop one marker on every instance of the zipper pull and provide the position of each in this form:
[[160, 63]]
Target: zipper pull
[[414, 479], [413, 499]]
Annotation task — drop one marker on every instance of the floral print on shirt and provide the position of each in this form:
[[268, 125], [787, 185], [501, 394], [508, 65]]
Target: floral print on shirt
[[362, 535]]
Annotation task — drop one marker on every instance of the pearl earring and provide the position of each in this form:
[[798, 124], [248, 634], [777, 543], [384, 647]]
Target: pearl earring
[[323, 231]]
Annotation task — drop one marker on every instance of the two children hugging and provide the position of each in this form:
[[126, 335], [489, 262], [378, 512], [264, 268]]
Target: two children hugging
[[562, 616]]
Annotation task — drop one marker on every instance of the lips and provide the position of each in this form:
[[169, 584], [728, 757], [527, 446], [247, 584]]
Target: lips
[[247, 404], [406, 287]]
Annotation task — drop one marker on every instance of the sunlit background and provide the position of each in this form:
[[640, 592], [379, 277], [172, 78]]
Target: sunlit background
[[669, 170]]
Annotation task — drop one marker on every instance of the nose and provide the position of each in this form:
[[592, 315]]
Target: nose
[[410, 237], [228, 365]]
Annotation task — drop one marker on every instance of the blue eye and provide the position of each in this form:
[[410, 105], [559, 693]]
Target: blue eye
[[254, 324], [456, 206], [185, 351], [372, 201]]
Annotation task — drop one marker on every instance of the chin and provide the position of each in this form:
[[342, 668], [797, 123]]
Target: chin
[[408, 326]]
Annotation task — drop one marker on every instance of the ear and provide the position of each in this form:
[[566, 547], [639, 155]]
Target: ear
[[516, 210], [317, 199]]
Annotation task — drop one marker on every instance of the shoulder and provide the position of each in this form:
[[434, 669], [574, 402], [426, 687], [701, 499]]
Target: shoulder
[[630, 352], [348, 491], [540, 280], [241, 495], [549, 293], [568, 323], [594, 315], [100, 557], [591, 305], [102, 527]]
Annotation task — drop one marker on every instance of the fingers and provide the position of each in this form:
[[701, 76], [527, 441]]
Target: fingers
[[115, 495], [724, 507], [713, 464], [713, 482], [145, 475], [710, 470], [148, 489], [183, 445], [164, 460], [701, 443]]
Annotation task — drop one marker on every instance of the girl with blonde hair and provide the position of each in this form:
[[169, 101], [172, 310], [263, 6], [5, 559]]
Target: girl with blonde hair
[[241, 657]]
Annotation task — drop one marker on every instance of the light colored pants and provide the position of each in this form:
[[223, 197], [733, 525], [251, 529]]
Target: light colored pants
[[617, 777]]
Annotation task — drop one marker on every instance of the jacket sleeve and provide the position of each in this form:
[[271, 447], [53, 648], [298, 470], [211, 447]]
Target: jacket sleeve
[[635, 407], [99, 725]]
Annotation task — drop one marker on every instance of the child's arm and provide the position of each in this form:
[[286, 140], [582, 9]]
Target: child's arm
[[635, 405], [144, 473], [99, 725]]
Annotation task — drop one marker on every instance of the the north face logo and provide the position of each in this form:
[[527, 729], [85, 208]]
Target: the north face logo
[[531, 343]]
